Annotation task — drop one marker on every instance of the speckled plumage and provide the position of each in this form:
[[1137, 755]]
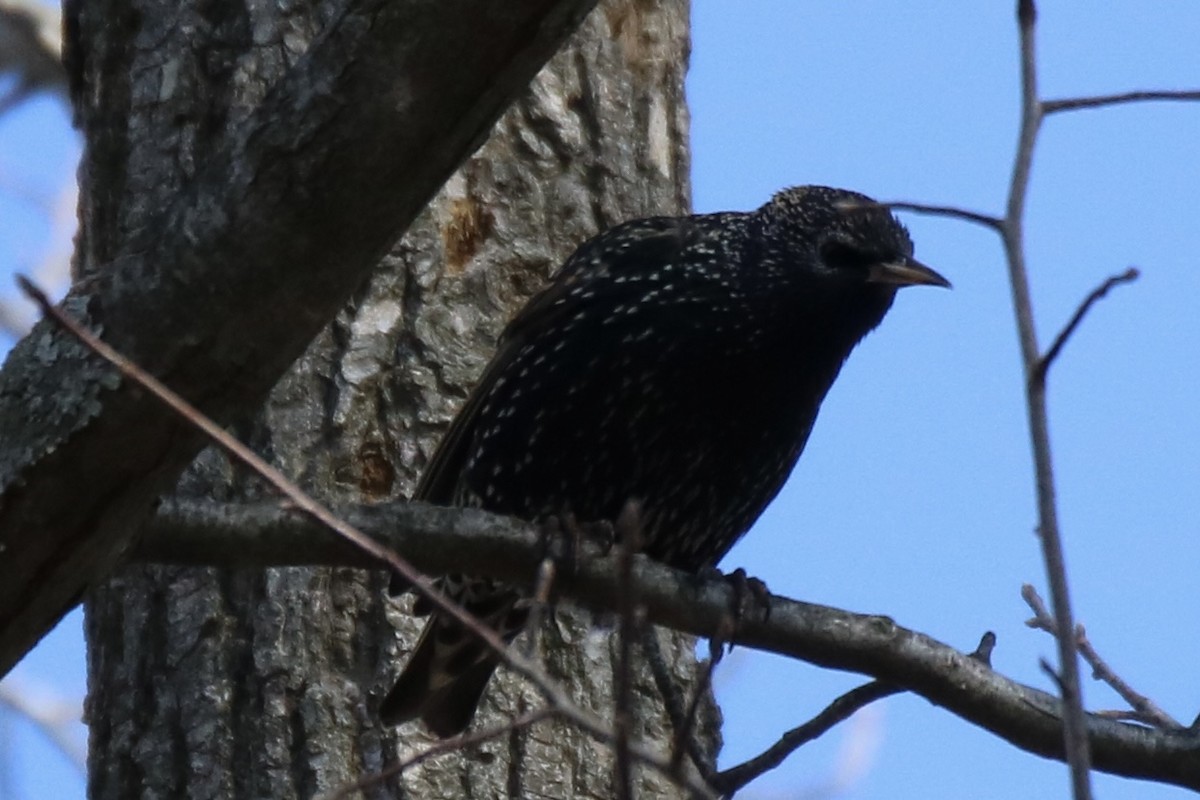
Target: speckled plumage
[[677, 361]]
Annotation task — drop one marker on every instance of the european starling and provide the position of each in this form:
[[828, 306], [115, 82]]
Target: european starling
[[676, 361]]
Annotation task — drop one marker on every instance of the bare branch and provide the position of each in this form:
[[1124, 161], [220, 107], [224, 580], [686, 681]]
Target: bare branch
[[1043, 365], [1099, 101], [687, 721], [988, 221], [475, 542], [295, 496], [954, 212], [540, 601], [1074, 729], [628, 531], [1011, 228], [676, 706], [1144, 709], [302, 502], [735, 778], [442, 748], [983, 651], [334, 124]]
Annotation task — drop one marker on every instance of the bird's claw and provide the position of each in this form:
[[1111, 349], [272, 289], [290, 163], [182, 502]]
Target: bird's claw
[[749, 595]]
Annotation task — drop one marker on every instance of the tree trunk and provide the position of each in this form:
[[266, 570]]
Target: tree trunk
[[231, 684]]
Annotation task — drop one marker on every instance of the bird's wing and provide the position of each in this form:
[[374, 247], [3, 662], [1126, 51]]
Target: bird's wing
[[637, 243]]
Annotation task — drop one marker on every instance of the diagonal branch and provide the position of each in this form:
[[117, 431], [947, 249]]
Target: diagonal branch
[[1097, 294], [441, 748], [1144, 709], [276, 230], [555, 695]]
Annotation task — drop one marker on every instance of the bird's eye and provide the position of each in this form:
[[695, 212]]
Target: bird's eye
[[840, 255]]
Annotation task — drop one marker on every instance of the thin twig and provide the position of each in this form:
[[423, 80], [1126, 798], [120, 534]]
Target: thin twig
[[988, 221], [1075, 740], [539, 604], [1126, 715], [1144, 709], [684, 726], [421, 584], [442, 747], [1099, 101], [983, 651], [1050, 672], [674, 703], [295, 496], [629, 533], [729, 781], [1097, 294]]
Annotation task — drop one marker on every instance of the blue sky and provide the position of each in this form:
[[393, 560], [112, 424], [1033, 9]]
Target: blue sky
[[914, 497]]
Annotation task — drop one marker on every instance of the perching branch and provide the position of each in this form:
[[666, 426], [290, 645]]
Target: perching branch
[[441, 539]]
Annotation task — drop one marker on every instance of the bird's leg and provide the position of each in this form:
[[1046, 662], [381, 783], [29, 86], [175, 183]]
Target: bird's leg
[[563, 536], [558, 554], [744, 588], [601, 533]]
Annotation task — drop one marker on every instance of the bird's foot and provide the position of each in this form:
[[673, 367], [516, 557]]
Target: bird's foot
[[563, 537], [750, 595]]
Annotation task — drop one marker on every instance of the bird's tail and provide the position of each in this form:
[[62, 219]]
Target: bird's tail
[[444, 678]]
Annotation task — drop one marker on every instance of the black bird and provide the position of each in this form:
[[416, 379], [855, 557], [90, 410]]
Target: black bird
[[676, 361]]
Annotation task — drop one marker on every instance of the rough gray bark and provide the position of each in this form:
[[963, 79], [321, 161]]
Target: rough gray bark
[[244, 184], [228, 683]]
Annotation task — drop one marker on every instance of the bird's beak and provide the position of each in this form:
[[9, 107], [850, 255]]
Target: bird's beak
[[905, 272]]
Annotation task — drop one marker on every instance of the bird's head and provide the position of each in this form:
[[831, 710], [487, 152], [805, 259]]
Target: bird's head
[[847, 238]]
